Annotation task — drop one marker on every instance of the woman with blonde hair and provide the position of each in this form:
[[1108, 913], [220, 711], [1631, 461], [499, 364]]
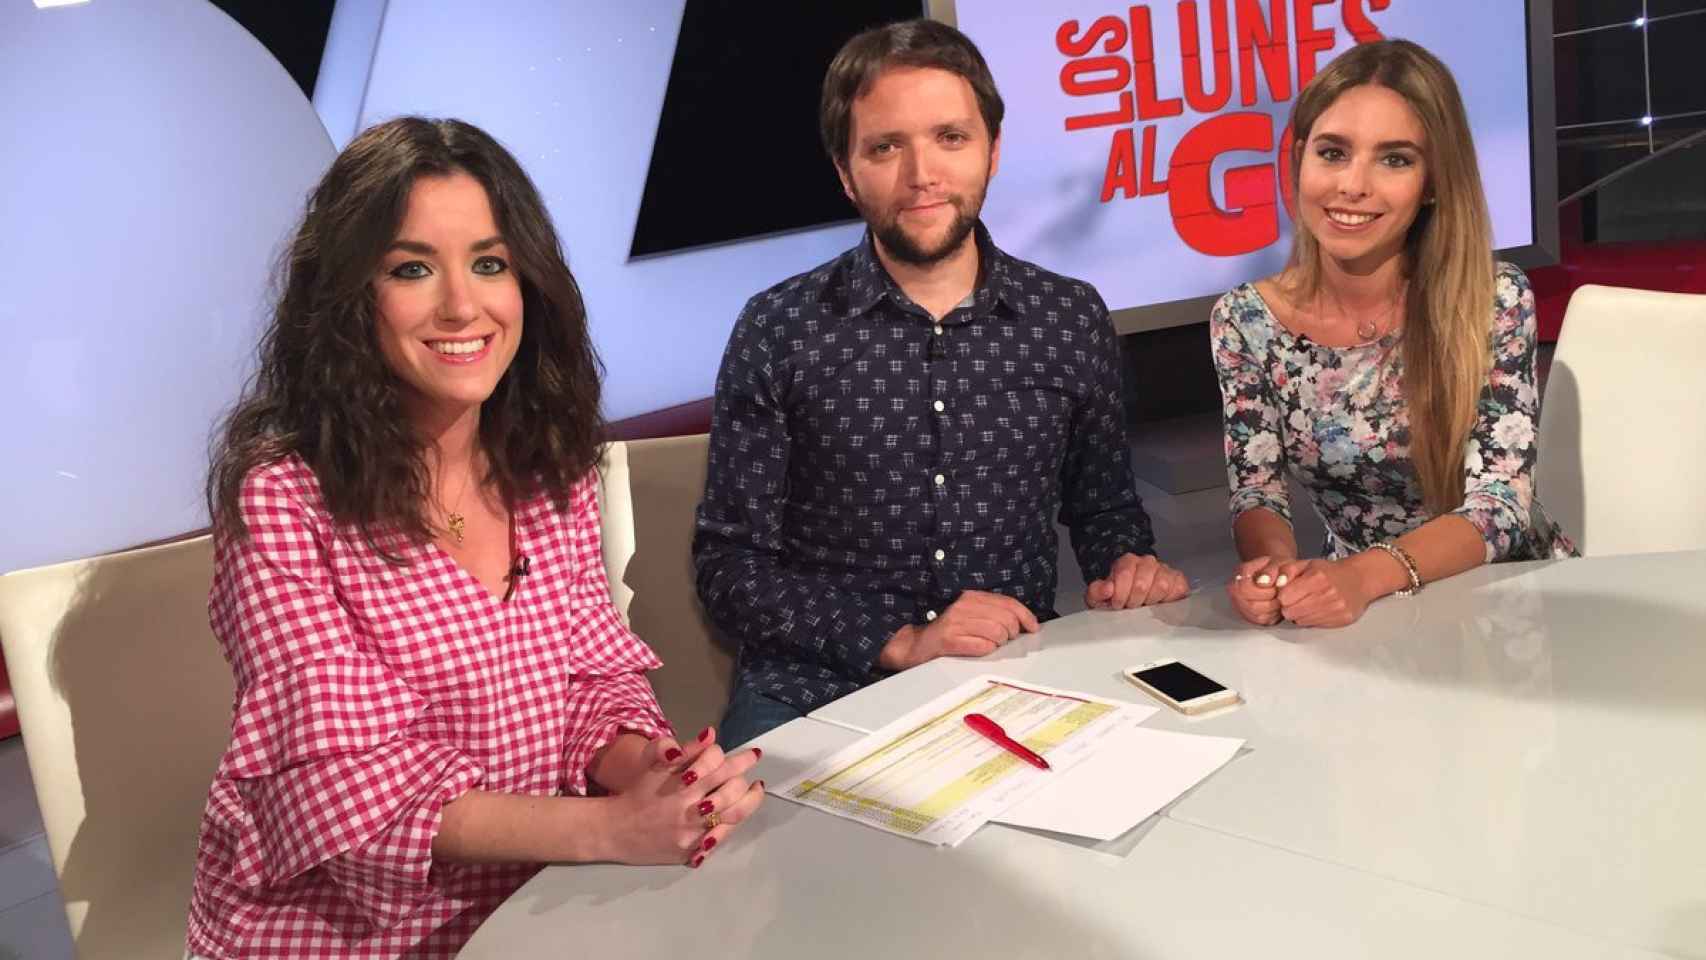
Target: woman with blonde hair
[[1389, 367]]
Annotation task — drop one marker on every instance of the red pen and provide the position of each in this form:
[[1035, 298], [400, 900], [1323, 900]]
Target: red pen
[[993, 731]]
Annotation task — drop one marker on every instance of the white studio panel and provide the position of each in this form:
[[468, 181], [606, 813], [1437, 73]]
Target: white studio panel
[[157, 158], [344, 66], [574, 90]]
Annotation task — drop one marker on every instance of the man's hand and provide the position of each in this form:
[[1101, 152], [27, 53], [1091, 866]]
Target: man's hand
[[976, 624], [1136, 581]]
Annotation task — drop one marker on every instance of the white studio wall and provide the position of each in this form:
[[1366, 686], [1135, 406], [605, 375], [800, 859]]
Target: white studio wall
[[164, 155], [157, 157], [576, 89]]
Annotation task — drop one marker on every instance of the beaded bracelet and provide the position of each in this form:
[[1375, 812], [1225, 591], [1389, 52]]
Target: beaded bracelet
[[1407, 562]]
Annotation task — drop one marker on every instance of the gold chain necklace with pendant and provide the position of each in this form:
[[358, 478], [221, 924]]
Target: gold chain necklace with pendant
[[454, 521], [1367, 331]]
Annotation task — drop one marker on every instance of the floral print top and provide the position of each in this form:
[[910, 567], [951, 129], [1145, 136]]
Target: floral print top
[[1336, 418]]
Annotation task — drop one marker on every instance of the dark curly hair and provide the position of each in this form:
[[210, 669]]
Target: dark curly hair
[[323, 391]]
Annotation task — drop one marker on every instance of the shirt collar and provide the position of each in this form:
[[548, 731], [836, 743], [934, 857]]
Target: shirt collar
[[868, 282]]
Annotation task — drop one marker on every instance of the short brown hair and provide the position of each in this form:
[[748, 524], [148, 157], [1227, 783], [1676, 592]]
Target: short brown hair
[[911, 43]]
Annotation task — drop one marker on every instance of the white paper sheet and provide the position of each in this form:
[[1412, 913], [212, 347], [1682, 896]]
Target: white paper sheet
[[1132, 774]]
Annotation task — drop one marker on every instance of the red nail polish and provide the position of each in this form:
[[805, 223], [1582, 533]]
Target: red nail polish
[[704, 733], [698, 860], [689, 777], [672, 754], [710, 842], [705, 807], [757, 754]]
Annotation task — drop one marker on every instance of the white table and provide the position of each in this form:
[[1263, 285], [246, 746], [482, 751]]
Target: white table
[[1511, 764], [796, 882], [1529, 736]]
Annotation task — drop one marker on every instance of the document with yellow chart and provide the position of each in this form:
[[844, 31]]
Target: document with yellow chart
[[930, 777]]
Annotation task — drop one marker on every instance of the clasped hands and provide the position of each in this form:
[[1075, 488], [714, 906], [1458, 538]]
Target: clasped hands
[[684, 801], [1309, 593], [978, 622]]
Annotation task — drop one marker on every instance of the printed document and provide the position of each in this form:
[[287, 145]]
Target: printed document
[[930, 777]]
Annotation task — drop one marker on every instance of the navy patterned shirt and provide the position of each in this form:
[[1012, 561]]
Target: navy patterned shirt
[[868, 463]]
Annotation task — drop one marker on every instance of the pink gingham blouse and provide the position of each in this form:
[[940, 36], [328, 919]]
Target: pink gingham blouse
[[368, 696]]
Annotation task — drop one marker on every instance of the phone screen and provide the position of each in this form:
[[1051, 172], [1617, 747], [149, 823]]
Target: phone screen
[[1179, 681]]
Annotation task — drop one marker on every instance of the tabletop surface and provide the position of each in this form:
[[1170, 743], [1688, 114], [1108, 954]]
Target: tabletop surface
[[1510, 763], [796, 882]]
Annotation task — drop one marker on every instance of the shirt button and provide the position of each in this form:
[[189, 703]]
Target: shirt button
[[929, 614], [941, 554], [940, 480], [940, 406], [938, 329]]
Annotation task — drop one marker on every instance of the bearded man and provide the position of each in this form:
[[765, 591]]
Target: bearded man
[[894, 431]]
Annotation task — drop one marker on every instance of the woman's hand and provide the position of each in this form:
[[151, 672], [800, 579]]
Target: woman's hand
[[1321, 593], [1254, 589], [666, 813]]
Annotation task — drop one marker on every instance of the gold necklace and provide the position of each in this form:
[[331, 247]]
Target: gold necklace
[[454, 521], [1369, 331]]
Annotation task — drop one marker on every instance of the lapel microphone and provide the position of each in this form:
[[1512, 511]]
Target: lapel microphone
[[522, 566]]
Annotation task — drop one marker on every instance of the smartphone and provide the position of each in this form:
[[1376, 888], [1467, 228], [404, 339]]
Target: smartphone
[[1180, 687]]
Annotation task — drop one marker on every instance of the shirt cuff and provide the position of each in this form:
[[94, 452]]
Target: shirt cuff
[[388, 875], [1501, 524], [584, 747], [868, 632], [1244, 501]]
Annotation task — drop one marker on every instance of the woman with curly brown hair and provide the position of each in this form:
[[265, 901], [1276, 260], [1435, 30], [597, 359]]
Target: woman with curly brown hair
[[434, 693]]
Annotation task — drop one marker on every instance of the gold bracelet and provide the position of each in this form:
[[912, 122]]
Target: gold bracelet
[[1407, 562]]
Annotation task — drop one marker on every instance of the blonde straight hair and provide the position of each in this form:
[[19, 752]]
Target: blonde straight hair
[[1448, 262]]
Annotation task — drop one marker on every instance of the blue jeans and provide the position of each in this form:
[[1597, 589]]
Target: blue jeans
[[751, 714]]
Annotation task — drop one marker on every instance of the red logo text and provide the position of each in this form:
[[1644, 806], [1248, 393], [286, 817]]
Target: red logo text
[[1111, 65]]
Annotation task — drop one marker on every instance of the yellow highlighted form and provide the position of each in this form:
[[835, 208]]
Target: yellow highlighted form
[[940, 767]]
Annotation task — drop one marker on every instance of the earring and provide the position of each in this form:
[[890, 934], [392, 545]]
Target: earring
[[1428, 202]]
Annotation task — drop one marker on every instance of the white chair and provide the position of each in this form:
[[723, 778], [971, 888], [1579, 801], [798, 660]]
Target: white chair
[[125, 704], [648, 492], [1623, 422]]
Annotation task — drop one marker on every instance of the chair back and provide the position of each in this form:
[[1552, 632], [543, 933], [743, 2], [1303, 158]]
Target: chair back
[[125, 704], [1623, 422], [649, 491]]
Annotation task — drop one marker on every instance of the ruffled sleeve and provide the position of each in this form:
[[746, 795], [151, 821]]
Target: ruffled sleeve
[[1250, 416], [326, 767], [610, 694], [1498, 463]]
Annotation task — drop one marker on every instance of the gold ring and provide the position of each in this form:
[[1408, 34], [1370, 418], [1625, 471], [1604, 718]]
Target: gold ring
[[712, 819]]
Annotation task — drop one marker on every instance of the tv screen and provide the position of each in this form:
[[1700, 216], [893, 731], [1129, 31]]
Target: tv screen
[[1142, 149]]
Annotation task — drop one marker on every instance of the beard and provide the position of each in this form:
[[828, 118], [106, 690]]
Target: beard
[[908, 249]]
